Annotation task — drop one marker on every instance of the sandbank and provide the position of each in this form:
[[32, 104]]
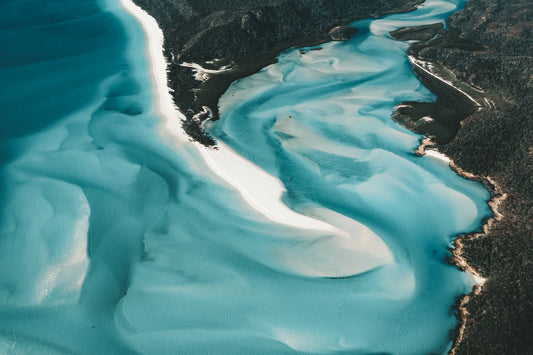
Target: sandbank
[[261, 190]]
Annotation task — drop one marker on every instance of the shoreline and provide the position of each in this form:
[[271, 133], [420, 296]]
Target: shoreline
[[429, 146], [497, 197], [154, 42], [457, 258], [487, 53], [256, 44], [221, 160], [159, 69], [258, 188], [494, 144]]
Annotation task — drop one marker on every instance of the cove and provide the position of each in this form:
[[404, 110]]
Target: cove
[[119, 235], [320, 120]]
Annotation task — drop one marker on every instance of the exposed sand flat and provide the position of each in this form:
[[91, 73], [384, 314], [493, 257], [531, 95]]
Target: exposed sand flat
[[259, 189]]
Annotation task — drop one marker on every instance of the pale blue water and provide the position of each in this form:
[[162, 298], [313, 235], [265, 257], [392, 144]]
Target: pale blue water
[[113, 242]]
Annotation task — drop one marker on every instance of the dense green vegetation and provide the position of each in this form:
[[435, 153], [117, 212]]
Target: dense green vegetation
[[418, 33], [246, 34], [490, 47]]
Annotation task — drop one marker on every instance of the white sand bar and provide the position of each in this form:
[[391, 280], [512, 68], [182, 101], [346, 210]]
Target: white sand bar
[[261, 190]]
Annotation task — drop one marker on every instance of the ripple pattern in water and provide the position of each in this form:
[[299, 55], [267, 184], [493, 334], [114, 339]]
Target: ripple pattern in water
[[113, 239]]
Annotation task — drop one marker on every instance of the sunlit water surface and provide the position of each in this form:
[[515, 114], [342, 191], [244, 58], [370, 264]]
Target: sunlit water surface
[[112, 240]]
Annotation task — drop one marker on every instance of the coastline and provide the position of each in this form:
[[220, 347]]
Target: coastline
[[487, 53], [251, 43], [457, 259], [262, 191], [429, 147], [158, 70], [221, 160], [497, 198]]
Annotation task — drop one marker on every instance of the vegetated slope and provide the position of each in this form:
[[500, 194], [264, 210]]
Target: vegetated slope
[[490, 48], [246, 34]]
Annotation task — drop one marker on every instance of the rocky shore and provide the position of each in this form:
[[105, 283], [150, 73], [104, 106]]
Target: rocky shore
[[482, 121], [481, 71]]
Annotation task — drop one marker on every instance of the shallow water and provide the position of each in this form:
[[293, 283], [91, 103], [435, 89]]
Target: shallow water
[[115, 240]]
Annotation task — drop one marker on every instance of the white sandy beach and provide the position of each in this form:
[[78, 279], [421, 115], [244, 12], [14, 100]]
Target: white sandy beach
[[158, 66], [438, 155], [259, 189]]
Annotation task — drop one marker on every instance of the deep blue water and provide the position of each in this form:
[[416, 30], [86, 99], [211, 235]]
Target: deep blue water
[[115, 240]]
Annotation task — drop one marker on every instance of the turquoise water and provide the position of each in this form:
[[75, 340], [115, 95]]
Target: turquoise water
[[113, 240]]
